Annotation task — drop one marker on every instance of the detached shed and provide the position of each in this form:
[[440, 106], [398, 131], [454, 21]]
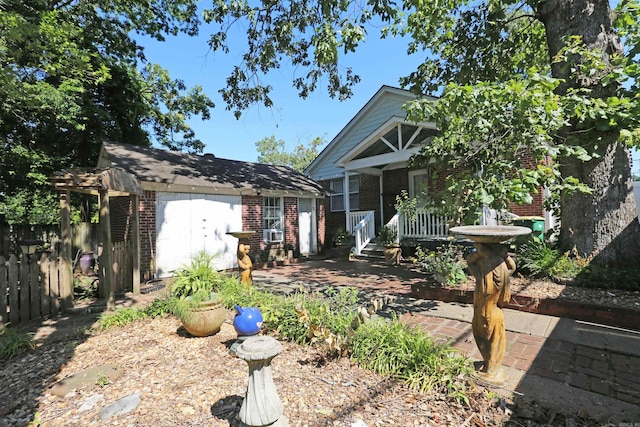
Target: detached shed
[[190, 202]]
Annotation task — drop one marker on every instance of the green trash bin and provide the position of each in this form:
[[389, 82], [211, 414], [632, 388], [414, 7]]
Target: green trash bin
[[534, 223]]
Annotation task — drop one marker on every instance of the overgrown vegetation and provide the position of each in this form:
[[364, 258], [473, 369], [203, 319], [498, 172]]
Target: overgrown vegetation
[[446, 261], [13, 343], [544, 260]]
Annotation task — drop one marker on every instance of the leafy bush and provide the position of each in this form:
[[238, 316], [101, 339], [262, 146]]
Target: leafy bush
[[341, 236], [543, 260], [13, 343], [446, 261]]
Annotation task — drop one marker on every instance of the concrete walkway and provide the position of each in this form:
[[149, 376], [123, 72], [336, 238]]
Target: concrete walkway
[[585, 368]]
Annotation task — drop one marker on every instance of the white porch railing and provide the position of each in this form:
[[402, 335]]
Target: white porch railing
[[425, 225], [354, 218], [364, 231]]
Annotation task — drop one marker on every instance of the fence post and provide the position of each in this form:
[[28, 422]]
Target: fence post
[[14, 301], [45, 285], [34, 287], [25, 307], [66, 273], [3, 291]]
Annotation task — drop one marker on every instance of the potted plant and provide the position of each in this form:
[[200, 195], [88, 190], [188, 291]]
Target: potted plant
[[194, 298], [387, 236], [342, 241]]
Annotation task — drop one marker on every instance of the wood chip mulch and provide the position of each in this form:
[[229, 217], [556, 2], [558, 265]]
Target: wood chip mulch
[[186, 381]]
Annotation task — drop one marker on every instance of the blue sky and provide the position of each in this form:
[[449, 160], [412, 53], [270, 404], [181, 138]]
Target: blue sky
[[292, 119]]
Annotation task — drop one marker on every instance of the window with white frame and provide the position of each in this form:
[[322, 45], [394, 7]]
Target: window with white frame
[[272, 219], [419, 185], [337, 194]]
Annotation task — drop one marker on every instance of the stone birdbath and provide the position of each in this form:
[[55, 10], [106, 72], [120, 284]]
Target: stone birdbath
[[492, 267], [261, 406], [245, 266]]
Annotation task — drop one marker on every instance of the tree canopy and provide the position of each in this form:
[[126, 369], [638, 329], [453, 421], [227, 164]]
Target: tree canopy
[[274, 152], [71, 76], [532, 95]]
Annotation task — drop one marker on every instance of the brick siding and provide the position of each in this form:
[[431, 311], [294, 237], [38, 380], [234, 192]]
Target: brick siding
[[147, 217]]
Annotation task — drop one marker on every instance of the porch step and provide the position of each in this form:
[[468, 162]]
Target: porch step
[[373, 251]]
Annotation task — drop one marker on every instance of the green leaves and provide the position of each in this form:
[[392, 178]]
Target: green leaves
[[69, 80], [274, 152]]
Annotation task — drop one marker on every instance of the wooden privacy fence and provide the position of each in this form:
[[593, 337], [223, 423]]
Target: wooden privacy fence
[[122, 259], [30, 288]]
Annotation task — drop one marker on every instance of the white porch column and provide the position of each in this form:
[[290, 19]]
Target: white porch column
[[347, 207], [381, 202]]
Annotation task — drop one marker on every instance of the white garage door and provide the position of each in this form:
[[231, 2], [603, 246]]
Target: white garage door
[[189, 223]]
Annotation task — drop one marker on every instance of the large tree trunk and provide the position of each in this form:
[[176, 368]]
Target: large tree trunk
[[604, 223]]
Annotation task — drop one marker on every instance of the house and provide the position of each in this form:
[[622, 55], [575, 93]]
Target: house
[[365, 167], [191, 202]]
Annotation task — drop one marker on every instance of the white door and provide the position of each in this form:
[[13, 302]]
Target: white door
[[307, 225], [189, 223]]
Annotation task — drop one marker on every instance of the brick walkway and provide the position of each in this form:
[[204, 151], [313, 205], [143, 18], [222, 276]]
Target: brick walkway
[[586, 359], [522, 350]]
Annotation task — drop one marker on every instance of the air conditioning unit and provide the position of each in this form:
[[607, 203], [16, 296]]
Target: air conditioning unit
[[271, 235]]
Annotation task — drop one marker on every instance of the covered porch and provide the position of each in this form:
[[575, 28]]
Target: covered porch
[[384, 154]]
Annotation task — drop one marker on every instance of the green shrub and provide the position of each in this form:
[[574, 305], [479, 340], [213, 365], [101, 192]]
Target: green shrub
[[13, 343], [120, 317], [393, 348], [445, 260], [541, 259]]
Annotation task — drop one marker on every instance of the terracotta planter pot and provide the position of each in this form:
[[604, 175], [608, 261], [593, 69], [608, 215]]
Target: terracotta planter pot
[[392, 255], [205, 320]]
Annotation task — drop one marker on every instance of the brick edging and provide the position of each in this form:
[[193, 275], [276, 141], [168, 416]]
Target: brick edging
[[560, 307]]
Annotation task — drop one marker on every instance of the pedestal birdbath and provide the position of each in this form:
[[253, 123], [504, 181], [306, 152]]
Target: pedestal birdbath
[[492, 267], [245, 266], [261, 405]]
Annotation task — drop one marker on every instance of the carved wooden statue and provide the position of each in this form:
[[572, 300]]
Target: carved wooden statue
[[245, 266], [492, 268]]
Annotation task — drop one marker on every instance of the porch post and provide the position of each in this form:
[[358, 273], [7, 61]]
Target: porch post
[[66, 271], [347, 207], [106, 258], [135, 243], [381, 202]]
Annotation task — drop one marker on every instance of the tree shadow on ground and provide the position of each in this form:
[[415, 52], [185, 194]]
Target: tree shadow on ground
[[56, 340]]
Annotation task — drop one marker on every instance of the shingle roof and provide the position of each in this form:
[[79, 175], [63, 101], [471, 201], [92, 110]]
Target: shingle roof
[[172, 167]]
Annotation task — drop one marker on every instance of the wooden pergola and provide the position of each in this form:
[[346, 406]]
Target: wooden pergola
[[104, 183]]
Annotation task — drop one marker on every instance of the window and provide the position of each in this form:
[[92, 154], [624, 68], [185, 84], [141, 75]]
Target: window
[[337, 194], [272, 219], [419, 184]]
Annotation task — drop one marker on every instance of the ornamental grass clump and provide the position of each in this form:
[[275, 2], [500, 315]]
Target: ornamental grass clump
[[12, 343], [391, 347]]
